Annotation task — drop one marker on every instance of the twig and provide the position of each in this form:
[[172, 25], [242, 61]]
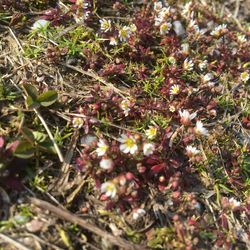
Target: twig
[[13, 242], [64, 214], [17, 41], [96, 77], [41, 241]]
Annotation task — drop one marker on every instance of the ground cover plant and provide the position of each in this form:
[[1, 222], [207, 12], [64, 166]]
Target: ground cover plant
[[124, 124]]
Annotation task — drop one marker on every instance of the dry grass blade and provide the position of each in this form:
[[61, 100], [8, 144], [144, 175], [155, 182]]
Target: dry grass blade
[[63, 214], [13, 242], [97, 78]]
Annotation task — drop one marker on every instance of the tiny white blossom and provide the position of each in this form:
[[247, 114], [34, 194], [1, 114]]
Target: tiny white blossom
[[172, 108], [203, 65], [164, 13], [113, 41], [164, 28], [199, 129], [187, 8], [158, 21], [186, 117], [124, 33], [79, 2], [105, 25], [148, 149], [88, 139], [244, 76], [185, 48], [151, 132], [138, 213], [192, 151], [242, 38], [234, 203], [172, 60], [208, 77], [133, 27], [82, 3], [188, 65], [77, 122], [219, 30], [102, 148], [125, 106], [128, 144], [109, 188], [39, 24], [175, 90], [106, 163], [157, 6]]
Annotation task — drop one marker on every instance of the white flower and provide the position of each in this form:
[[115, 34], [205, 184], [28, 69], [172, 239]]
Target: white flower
[[244, 76], [185, 48], [172, 108], [192, 151], [148, 149], [151, 132], [39, 24], [241, 38], [199, 129], [164, 13], [77, 122], [187, 9], [157, 6], [203, 65], [88, 140], [128, 144], [106, 163], [138, 213], [133, 27], [234, 203], [186, 117], [172, 60], [102, 148], [83, 3], [219, 30], [124, 33], [188, 65], [109, 188], [105, 25], [158, 21], [113, 41], [79, 2], [125, 106], [208, 79], [165, 27], [175, 90]]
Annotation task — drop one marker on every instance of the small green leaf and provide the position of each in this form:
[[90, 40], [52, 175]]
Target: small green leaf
[[47, 146], [30, 90], [27, 133], [39, 137], [24, 150], [48, 98], [31, 103]]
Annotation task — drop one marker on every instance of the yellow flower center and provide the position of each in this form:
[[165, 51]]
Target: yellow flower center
[[104, 147], [152, 131], [111, 188], [244, 75], [130, 143]]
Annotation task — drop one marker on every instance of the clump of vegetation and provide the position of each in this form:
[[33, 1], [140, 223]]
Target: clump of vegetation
[[134, 113]]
